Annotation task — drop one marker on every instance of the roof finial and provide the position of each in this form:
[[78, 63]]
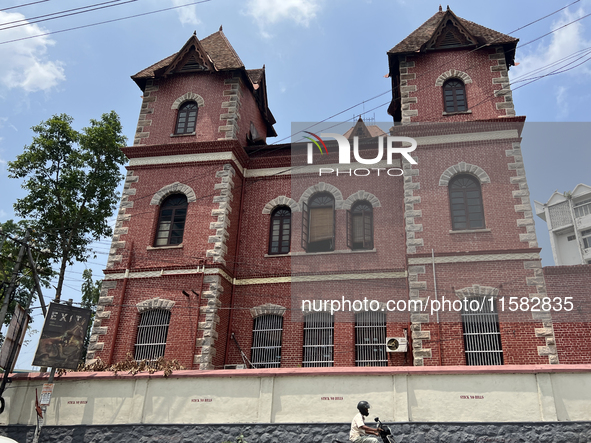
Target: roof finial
[[221, 28], [448, 7], [440, 8], [195, 33]]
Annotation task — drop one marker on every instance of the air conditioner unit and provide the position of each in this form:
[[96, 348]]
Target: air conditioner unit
[[396, 344], [234, 366]]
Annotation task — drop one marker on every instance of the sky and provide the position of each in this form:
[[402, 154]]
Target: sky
[[322, 57]]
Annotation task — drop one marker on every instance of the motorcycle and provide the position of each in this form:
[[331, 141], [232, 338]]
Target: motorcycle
[[385, 433]]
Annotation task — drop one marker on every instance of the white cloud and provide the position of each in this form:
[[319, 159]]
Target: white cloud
[[2, 213], [548, 57], [188, 14], [25, 63], [273, 11], [562, 102]]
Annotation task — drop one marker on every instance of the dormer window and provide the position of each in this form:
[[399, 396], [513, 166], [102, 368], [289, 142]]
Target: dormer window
[[186, 118], [454, 96]]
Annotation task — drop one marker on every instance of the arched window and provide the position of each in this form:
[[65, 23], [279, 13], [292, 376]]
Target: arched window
[[171, 224], [266, 341], [151, 334], [370, 339], [465, 201], [318, 340], [318, 223], [360, 226], [454, 96], [186, 118], [280, 232]]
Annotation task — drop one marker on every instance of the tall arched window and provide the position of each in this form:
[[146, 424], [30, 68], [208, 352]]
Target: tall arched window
[[465, 200], [454, 96], [280, 232], [186, 118], [171, 223], [151, 334], [318, 340], [266, 341], [318, 223], [370, 339], [360, 226]]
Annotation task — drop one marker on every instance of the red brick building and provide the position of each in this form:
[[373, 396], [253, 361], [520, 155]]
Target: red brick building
[[220, 236]]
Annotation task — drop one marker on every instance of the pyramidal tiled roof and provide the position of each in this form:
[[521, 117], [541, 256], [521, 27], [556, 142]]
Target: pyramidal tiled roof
[[416, 40], [218, 48]]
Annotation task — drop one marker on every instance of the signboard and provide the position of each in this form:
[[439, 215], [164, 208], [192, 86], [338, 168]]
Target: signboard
[[46, 394], [19, 318], [62, 337]]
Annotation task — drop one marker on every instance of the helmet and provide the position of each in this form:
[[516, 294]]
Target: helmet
[[363, 407]]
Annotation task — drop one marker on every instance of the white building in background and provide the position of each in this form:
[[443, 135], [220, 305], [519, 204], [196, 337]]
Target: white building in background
[[568, 217]]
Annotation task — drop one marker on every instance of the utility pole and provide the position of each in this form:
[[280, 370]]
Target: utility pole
[[15, 271]]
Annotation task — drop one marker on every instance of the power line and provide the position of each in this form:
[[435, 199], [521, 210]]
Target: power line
[[66, 13], [26, 4], [105, 22]]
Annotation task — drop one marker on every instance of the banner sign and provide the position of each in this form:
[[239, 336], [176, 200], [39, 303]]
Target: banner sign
[[19, 322], [62, 337]]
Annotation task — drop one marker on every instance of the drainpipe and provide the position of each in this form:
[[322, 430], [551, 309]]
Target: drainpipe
[[200, 263], [228, 334], [437, 312], [120, 307]]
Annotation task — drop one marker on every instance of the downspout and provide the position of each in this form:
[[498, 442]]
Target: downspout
[[120, 306], [228, 334], [437, 304]]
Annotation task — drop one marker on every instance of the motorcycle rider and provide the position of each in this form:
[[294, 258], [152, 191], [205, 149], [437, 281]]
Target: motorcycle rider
[[359, 432]]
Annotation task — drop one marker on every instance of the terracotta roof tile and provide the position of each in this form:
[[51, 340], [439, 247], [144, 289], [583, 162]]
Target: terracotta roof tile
[[255, 75], [218, 48], [423, 33]]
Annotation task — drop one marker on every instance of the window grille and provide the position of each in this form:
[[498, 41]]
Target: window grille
[[266, 341], [482, 336], [583, 209], [360, 226], [171, 224], [151, 334], [465, 201], [186, 118], [318, 340], [454, 96], [280, 232], [318, 223], [370, 339]]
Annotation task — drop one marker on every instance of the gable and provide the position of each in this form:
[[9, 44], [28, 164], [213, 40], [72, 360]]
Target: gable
[[450, 34], [192, 58]]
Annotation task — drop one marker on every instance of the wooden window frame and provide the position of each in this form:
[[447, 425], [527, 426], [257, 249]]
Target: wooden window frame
[[185, 113], [282, 219], [465, 203], [368, 226], [171, 220], [454, 95], [306, 225]]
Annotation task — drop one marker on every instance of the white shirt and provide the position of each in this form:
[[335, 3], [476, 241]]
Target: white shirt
[[356, 424]]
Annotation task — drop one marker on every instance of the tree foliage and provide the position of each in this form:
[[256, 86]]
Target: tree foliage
[[71, 179], [8, 256]]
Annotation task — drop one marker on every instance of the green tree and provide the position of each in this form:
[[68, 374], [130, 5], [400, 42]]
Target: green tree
[[8, 254], [91, 292], [71, 179]]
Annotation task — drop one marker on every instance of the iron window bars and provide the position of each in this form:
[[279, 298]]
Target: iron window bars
[[266, 341], [318, 340], [370, 339], [151, 335], [482, 336]]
